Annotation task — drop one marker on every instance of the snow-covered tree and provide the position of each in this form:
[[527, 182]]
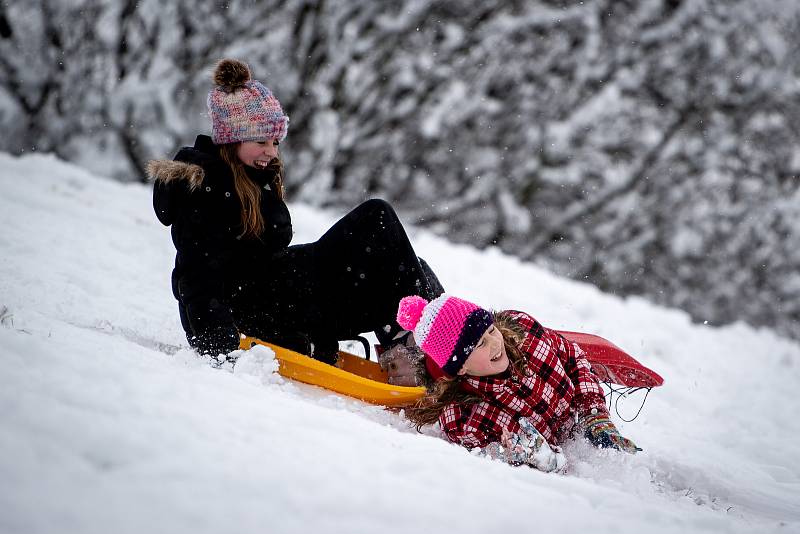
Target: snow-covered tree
[[648, 147]]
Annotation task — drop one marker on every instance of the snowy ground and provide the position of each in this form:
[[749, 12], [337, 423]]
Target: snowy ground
[[106, 426]]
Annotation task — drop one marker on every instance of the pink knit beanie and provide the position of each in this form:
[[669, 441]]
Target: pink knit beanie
[[446, 328], [242, 109]]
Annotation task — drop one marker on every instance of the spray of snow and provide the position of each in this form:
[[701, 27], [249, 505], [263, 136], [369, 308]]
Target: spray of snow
[[109, 423]]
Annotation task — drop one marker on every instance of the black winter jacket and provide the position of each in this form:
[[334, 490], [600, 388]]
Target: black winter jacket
[[195, 195]]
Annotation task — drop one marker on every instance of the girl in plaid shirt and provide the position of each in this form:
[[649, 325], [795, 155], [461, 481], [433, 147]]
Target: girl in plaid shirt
[[504, 384]]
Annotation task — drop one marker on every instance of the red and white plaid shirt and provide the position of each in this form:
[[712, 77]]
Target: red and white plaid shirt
[[560, 383]]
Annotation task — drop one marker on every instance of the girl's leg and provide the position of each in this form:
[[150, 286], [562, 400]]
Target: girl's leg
[[346, 283], [365, 264], [434, 285], [282, 305]]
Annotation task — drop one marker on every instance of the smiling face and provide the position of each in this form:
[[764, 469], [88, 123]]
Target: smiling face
[[258, 154], [488, 357]]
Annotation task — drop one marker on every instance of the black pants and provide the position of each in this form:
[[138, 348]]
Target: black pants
[[347, 282]]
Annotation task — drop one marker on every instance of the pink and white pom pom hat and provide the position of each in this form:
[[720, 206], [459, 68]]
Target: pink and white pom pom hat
[[446, 328]]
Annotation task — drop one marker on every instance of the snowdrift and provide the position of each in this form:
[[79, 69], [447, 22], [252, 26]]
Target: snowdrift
[[108, 423]]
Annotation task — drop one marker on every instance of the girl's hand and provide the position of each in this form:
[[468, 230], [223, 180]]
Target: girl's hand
[[541, 455], [602, 433], [515, 452], [530, 448]]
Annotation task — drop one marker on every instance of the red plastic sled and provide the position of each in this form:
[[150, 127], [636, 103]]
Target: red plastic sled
[[612, 364]]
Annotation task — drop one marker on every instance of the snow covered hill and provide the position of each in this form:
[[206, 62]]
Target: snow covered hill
[[108, 423]]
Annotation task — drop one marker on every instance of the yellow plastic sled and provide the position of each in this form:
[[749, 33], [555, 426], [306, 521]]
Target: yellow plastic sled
[[352, 376]]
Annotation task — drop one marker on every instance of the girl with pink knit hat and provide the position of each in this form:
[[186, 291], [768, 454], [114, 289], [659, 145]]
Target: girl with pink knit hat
[[502, 383], [235, 270]]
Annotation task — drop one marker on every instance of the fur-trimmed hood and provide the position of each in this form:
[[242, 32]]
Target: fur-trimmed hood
[[172, 180], [166, 171]]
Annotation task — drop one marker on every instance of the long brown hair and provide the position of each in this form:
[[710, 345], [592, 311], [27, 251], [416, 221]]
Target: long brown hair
[[249, 192], [444, 391]]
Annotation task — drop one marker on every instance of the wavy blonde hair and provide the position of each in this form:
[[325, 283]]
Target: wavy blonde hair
[[444, 391], [249, 192]]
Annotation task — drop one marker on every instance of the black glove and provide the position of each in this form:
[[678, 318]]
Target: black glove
[[215, 341]]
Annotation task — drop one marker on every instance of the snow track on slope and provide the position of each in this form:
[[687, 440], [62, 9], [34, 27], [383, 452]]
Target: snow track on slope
[[110, 423]]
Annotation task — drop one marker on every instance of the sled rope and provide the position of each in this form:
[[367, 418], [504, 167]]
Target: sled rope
[[624, 392]]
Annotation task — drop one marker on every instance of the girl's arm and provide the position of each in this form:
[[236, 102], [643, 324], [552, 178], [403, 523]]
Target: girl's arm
[[479, 424], [464, 424], [525, 446], [204, 250], [588, 393], [589, 397]]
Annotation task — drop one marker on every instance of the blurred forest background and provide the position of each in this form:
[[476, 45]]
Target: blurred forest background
[[647, 146]]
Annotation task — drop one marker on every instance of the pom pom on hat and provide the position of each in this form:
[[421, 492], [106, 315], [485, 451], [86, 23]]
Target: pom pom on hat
[[231, 74], [409, 311]]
